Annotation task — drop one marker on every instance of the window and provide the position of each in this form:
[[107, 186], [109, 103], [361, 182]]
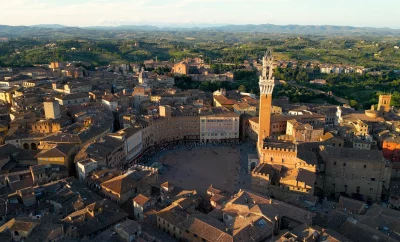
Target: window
[[344, 164], [358, 189], [187, 231], [372, 178], [365, 166], [334, 163]]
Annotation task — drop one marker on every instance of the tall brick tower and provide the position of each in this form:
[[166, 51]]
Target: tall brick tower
[[266, 84]]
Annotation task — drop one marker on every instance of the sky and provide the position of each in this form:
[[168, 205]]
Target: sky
[[360, 13]]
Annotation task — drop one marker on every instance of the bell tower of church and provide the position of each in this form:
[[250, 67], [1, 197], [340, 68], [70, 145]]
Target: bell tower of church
[[384, 103], [266, 84]]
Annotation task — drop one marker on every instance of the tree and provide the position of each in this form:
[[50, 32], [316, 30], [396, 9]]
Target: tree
[[353, 103], [302, 76], [242, 88]]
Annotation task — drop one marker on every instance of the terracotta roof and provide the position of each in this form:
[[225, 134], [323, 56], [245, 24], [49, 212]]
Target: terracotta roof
[[124, 183], [19, 224], [141, 199], [110, 98], [223, 100], [326, 136], [106, 214], [59, 151], [74, 96], [167, 185], [255, 119], [207, 228]]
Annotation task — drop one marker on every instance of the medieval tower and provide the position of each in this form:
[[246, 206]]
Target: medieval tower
[[266, 84], [384, 103]]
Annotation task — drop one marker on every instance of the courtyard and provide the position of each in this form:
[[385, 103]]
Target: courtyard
[[225, 167]]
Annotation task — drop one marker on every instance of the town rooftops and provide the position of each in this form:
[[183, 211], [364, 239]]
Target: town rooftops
[[73, 96], [126, 182], [62, 150], [63, 138], [349, 154], [110, 98], [218, 112], [105, 214], [308, 156], [207, 228], [24, 224], [306, 176], [351, 204], [7, 150]]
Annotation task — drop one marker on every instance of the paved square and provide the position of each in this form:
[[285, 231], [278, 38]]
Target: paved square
[[200, 167]]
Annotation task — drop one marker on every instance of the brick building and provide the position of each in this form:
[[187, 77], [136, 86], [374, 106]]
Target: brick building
[[363, 174]]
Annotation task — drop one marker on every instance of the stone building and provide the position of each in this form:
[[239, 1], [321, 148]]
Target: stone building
[[48, 126], [133, 141], [384, 103], [119, 189], [391, 148], [73, 99], [251, 129], [170, 125], [219, 124], [181, 68], [20, 227], [363, 174], [284, 169], [361, 128], [59, 155], [304, 132]]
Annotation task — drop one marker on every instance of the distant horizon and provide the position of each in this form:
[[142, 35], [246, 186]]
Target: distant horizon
[[89, 13], [190, 25]]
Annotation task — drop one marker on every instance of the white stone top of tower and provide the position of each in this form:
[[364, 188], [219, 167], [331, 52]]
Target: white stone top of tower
[[267, 81]]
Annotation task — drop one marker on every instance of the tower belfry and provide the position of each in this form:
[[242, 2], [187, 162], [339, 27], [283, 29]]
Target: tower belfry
[[266, 84]]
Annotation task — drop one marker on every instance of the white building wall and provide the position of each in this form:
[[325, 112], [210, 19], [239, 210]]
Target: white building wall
[[219, 128], [134, 145]]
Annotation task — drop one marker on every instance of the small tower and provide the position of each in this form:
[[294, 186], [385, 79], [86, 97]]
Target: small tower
[[142, 76], [165, 111], [384, 103], [266, 84]]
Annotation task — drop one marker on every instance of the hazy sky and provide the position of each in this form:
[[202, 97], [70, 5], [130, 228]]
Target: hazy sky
[[373, 13]]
